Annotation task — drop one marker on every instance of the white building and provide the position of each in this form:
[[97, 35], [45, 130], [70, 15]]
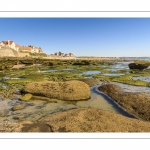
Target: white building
[[10, 44]]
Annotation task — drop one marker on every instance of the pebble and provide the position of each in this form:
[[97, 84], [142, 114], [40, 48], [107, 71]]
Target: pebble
[[18, 107]]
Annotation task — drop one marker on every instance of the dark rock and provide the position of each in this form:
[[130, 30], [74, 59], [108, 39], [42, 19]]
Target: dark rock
[[138, 66]]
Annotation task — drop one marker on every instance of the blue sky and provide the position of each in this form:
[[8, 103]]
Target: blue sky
[[104, 37]]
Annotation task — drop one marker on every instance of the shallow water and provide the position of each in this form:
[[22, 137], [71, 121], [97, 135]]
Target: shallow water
[[37, 109], [113, 74], [62, 70], [147, 79], [49, 70], [120, 66], [132, 88], [90, 72]]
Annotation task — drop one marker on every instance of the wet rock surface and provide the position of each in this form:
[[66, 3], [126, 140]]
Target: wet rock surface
[[135, 103]]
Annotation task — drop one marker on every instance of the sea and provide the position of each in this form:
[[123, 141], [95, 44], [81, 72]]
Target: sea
[[136, 58]]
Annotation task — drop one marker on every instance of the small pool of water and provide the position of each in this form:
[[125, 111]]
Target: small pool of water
[[120, 66], [146, 79], [49, 71], [12, 78], [63, 70], [68, 69], [113, 74], [90, 72]]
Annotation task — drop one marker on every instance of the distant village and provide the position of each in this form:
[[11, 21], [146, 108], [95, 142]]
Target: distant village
[[32, 49], [63, 54], [17, 47]]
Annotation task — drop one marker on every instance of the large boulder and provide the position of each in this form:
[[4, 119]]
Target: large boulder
[[69, 90], [138, 66], [135, 103]]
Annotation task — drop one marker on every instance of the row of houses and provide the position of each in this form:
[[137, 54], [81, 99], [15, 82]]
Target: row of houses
[[63, 54], [17, 47]]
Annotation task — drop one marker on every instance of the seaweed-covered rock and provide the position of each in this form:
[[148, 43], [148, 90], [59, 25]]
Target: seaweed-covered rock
[[69, 90], [26, 97], [27, 62]]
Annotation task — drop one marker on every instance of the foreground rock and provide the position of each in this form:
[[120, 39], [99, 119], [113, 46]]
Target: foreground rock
[[82, 120], [137, 104], [138, 66], [69, 90]]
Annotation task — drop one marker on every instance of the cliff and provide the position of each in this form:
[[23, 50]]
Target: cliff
[[8, 52]]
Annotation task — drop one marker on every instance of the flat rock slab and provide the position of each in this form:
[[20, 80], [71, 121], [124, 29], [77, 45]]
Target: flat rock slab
[[69, 90]]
